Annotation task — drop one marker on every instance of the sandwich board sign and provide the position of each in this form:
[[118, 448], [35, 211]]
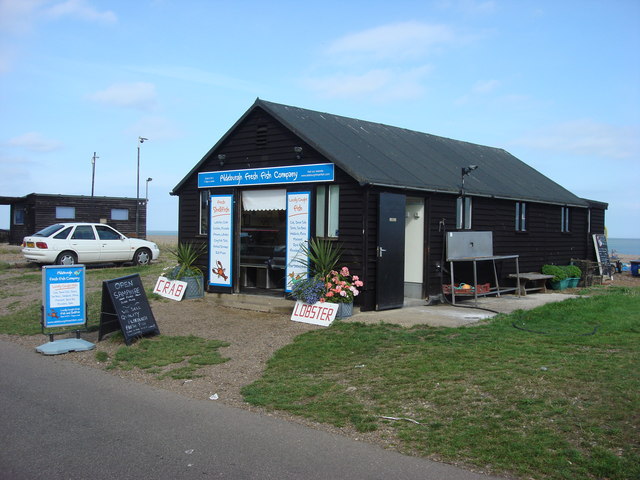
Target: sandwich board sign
[[63, 305], [125, 306]]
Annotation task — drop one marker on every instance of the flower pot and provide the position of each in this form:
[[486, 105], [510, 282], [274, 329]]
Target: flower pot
[[573, 282], [345, 310], [560, 285], [195, 287]]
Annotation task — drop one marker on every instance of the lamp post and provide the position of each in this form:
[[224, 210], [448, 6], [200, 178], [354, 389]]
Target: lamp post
[[140, 142], [93, 171], [146, 192]]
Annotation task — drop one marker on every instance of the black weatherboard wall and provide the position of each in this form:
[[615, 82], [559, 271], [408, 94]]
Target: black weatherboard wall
[[371, 159], [40, 212]]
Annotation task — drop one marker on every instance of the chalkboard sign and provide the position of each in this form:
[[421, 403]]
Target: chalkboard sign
[[602, 251], [125, 307]]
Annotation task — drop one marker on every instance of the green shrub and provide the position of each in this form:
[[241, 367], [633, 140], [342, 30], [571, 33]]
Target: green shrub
[[573, 271], [558, 272]]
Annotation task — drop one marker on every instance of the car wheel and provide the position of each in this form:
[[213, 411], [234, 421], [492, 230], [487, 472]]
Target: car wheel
[[67, 258], [142, 257]]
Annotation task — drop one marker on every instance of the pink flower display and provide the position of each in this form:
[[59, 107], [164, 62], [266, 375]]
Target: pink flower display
[[341, 286]]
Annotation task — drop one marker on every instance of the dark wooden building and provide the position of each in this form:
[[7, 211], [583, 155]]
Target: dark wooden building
[[388, 195], [36, 211]]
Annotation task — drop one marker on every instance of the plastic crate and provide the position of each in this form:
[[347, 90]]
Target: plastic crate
[[458, 290]]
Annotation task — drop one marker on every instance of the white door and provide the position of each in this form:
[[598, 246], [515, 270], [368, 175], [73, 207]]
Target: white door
[[414, 247]]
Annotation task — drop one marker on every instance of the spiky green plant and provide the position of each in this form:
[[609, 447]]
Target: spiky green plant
[[186, 254], [322, 256]]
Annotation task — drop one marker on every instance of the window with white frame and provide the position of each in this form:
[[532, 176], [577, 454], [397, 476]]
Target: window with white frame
[[119, 214], [204, 212], [327, 211], [463, 213], [521, 217], [66, 212], [565, 219]]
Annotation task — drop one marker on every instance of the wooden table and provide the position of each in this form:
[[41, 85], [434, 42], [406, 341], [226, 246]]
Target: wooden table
[[538, 281]]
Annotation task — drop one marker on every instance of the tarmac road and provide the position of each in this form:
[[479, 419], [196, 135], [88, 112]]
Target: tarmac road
[[62, 420]]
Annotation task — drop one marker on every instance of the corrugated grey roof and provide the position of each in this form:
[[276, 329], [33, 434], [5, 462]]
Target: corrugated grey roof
[[378, 154]]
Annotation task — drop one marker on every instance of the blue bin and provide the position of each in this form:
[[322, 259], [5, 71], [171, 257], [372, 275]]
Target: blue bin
[[635, 264]]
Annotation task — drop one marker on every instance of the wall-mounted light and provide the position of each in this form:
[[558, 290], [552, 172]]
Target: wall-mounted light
[[298, 152], [221, 158]]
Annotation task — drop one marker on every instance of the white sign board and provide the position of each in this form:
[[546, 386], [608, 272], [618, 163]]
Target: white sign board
[[297, 235], [173, 289], [220, 240], [320, 313]]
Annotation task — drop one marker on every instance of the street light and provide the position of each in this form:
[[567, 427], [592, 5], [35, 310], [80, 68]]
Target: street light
[[146, 193], [140, 142]]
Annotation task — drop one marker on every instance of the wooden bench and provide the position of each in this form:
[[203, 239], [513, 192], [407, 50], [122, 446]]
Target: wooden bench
[[538, 281]]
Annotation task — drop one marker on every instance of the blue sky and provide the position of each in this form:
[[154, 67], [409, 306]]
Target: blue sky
[[554, 82]]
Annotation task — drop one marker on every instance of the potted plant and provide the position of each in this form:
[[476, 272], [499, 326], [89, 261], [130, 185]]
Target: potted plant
[[342, 288], [308, 290], [186, 270], [573, 275], [558, 282], [326, 283]]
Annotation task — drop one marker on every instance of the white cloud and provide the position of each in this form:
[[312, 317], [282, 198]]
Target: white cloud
[[196, 75], [35, 142], [383, 84], [480, 88], [81, 10], [586, 137], [137, 95], [485, 86], [18, 17], [395, 41]]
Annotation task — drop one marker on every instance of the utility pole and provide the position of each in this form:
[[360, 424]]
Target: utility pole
[[93, 172]]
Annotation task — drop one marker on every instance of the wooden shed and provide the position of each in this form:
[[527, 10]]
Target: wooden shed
[[388, 195], [36, 211]]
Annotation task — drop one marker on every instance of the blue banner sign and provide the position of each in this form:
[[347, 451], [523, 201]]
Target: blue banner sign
[[221, 240], [63, 295], [298, 231], [320, 172]]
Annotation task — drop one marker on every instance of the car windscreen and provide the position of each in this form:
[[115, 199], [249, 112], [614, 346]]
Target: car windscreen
[[45, 232]]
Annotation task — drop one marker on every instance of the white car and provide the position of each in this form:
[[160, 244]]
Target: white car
[[71, 243]]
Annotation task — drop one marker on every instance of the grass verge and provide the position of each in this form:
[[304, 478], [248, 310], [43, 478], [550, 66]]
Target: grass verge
[[155, 354], [547, 393]]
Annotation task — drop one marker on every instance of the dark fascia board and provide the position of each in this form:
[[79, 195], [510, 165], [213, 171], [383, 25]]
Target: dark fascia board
[[596, 204], [12, 200], [62, 195]]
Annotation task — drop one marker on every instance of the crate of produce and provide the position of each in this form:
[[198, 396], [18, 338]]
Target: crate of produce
[[466, 289]]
